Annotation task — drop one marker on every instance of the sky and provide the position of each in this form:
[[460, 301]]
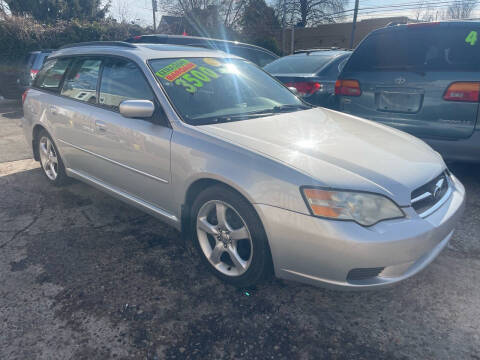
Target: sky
[[140, 11]]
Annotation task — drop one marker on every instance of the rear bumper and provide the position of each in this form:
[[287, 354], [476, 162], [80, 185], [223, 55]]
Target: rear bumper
[[323, 252], [458, 150]]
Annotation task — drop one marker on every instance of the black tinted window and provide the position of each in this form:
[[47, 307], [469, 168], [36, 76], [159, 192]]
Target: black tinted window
[[432, 48], [81, 81], [122, 80], [50, 77], [258, 57], [39, 61], [298, 64]]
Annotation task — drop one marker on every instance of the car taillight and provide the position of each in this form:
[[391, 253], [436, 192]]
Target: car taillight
[[463, 91], [33, 74], [138, 37], [305, 87], [24, 96], [348, 88]]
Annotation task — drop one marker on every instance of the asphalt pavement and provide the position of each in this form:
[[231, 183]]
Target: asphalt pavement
[[84, 276]]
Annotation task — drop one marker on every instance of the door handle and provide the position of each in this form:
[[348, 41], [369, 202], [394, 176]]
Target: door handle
[[100, 126]]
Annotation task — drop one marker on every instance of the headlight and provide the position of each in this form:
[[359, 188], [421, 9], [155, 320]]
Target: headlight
[[364, 208]]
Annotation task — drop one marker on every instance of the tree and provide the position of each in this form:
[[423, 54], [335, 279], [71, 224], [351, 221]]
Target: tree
[[310, 12], [49, 11], [259, 24], [461, 9], [207, 17], [425, 12]]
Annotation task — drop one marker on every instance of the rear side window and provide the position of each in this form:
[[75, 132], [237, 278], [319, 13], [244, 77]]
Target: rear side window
[[122, 80], [258, 57], [432, 48], [39, 61], [81, 81], [51, 75], [298, 64]]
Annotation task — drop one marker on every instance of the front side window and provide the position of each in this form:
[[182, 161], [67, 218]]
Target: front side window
[[122, 80], [81, 80], [50, 77], [212, 90]]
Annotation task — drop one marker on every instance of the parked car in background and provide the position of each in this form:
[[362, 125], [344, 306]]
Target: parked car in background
[[255, 54], [33, 63], [421, 78], [216, 147], [15, 78], [312, 73]]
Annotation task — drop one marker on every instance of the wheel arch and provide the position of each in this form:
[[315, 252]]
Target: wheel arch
[[195, 188], [36, 130]]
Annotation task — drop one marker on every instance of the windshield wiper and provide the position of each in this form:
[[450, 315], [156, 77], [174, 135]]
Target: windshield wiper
[[408, 68], [249, 115], [282, 108]]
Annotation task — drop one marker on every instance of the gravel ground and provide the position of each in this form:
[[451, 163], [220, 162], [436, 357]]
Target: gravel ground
[[83, 276]]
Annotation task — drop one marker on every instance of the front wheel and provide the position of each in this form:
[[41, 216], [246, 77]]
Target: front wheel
[[230, 237]]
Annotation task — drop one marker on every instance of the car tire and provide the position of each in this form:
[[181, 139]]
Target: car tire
[[50, 160], [234, 248]]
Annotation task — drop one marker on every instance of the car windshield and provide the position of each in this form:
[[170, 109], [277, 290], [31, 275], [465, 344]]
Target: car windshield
[[298, 64], [430, 48], [214, 90]]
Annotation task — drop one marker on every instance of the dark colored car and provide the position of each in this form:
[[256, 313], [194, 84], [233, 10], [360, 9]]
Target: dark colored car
[[255, 54], [312, 73], [15, 79], [33, 64], [421, 78]]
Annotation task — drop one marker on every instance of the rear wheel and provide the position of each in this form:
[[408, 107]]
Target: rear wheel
[[50, 159], [230, 237]]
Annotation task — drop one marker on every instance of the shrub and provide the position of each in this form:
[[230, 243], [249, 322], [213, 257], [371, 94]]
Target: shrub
[[19, 35]]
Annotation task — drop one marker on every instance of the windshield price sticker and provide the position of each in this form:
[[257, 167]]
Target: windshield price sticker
[[186, 74], [175, 70], [471, 38]]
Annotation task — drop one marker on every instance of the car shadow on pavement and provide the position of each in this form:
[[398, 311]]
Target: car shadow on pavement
[[110, 261]]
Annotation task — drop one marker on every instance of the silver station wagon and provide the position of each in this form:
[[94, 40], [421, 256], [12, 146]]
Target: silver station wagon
[[258, 179]]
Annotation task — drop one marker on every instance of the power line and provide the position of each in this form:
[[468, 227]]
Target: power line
[[402, 6]]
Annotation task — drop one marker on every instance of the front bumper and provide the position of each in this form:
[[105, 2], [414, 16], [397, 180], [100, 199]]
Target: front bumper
[[323, 252]]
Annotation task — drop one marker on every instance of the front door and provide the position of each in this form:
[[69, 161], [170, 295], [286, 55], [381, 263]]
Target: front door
[[129, 154]]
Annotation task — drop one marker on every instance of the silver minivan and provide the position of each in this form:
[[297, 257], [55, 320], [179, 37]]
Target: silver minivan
[[258, 179]]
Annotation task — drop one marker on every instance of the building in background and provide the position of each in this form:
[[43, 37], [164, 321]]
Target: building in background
[[334, 35]]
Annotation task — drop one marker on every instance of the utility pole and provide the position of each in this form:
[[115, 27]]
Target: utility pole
[[283, 25], [354, 24], [154, 9], [292, 41]]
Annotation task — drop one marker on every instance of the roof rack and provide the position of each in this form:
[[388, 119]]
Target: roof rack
[[307, 51], [99, 43]]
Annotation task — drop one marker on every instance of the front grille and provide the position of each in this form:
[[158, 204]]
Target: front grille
[[363, 273], [428, 195]]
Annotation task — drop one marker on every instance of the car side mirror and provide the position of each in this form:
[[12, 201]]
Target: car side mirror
[[293, 90], [137, 108]]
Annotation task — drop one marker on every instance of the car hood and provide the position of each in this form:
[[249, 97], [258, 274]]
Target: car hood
[[339, 150]]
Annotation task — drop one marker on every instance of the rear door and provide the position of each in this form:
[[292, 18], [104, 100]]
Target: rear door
[[71, 111], [404, 74]]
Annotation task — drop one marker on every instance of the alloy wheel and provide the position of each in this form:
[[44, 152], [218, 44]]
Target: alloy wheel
[[224, 238], [48, 158]]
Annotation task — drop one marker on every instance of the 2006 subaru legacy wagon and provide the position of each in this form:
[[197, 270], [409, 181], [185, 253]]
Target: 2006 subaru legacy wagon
[[420, 78], [215, 146]]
